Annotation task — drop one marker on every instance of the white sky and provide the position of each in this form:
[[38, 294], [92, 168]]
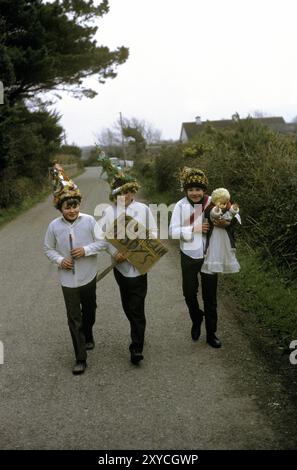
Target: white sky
[[210, 58]]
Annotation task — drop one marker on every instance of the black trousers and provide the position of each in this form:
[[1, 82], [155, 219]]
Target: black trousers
[[133, 292], [81, 313], [209, 282]]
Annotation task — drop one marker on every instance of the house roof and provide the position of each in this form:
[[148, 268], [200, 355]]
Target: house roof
[[192, 129]]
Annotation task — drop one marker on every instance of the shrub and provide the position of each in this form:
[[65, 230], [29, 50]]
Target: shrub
[[258, 166], [167, 165]]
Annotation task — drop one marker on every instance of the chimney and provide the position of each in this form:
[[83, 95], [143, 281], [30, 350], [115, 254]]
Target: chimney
[[198, 120]]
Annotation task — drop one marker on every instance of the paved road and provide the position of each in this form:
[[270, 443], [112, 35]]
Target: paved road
[[184, 395]]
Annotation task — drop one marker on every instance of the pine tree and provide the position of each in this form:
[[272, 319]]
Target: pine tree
[[50, 46]]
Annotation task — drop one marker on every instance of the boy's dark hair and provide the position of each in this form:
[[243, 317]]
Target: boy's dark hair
[[70, 199]]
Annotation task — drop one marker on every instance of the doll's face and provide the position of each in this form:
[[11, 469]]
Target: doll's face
[[222, 203]]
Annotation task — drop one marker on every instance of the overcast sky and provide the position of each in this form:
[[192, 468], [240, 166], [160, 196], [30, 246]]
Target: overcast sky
[[210, 58]]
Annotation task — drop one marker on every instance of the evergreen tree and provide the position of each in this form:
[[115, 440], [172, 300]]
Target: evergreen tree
[[50, 46], [44, 46]]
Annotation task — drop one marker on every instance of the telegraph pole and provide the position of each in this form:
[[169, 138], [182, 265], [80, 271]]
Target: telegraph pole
[[123, 143]]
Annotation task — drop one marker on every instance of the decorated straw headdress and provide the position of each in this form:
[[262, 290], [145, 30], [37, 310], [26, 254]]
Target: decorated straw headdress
[[122, 184], [63, 187], [192, 178]]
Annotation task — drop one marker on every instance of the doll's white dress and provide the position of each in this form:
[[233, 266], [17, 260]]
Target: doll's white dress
[[220, 256]]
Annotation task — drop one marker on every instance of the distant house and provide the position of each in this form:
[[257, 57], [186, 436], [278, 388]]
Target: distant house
[[190, 130]]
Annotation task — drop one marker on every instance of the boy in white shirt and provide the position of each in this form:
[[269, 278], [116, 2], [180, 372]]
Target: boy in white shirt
[[190, 227], [132, 284], [71, 244]]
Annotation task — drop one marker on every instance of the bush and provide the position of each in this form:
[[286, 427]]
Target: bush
[[68, 159], [14, 191], [71, 150], [258, 166], [28, 141], [167, 165], [144, 167]]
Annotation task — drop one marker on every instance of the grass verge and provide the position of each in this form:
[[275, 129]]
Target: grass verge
[[7, 215], [262, 294]]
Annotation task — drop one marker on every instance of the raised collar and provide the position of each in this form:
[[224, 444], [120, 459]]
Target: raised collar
[[71, 223]]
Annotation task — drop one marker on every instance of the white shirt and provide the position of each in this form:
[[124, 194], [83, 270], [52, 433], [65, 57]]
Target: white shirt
[[191, 244], [57, 247], [142, 214]]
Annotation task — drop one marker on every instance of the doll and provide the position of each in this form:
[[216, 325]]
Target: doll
[[220, 248]]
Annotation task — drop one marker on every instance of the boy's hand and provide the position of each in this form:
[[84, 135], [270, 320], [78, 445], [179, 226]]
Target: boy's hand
[[120, 258], [221, 223], [77, 252], [205, 226], [201, 228], [67, 264]]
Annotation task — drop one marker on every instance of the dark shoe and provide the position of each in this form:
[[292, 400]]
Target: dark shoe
[[79, 367], [196, 331], [90, 345], [213, 341], [136, 357]]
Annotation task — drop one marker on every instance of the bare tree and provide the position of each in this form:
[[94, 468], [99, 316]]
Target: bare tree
[[112, 135], [259, 114], [111, 138]]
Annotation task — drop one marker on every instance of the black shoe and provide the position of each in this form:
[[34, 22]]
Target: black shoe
[[213, 341], [136, 357], [90, 345], [79, 367], [196, 331]]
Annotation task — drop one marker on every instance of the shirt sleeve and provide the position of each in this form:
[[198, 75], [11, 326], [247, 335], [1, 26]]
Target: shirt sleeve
[[112, 250], [99, 242], [50, 247], [176, 230]]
